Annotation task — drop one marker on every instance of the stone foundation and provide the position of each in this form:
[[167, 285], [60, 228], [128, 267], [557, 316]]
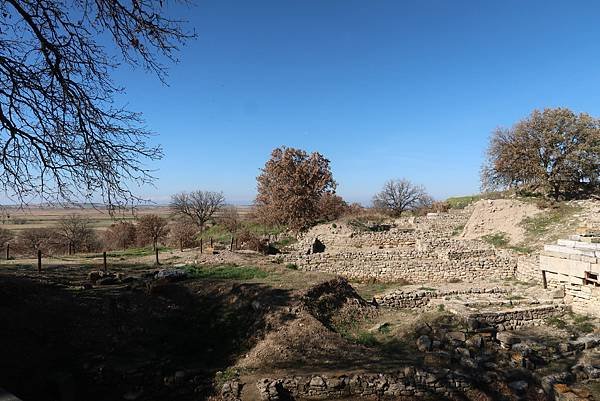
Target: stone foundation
[[412, 266], [409, 382]]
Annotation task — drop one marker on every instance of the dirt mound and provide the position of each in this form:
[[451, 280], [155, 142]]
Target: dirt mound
[[306, 338], [499, 216], [335, 301]]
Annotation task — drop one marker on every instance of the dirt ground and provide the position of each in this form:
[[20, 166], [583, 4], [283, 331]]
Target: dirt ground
[[137, 337], [499, 216]]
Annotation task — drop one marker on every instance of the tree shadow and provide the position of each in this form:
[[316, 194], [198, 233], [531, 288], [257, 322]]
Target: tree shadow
[[100, 344]]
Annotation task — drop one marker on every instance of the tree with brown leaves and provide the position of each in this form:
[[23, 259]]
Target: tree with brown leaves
[[120, 235], [555, 151], [291, 186], [63, 136], [182, 233], [151, 229], [332, 207], [400, 195]]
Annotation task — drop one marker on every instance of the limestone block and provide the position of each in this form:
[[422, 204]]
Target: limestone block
[[569, 251], [566, 242], [564, 266], [588, 245]]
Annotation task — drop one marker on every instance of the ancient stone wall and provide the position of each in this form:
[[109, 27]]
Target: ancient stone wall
[[412, 266], [417, 250], [409, 382], [528, 269], [517, 318], [420, 298]]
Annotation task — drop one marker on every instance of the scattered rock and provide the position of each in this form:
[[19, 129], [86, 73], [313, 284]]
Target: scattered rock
[[507, 339], [171, 274], [424, 343], [519, 386]]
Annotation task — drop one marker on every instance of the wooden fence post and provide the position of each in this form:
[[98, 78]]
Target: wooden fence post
[[236, 244], [201, 245], [231, 245], [544, 281], [104, 261], [156, 251], [211, 242], [39, 256]]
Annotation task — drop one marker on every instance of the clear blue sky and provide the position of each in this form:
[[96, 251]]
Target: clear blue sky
[[384, 89]]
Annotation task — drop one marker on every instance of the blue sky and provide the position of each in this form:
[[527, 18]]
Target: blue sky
[[384, 89]]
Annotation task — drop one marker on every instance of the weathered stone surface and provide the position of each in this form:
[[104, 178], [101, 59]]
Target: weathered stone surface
[[507, 339], [171, 274], [424, 343], [519, 386]]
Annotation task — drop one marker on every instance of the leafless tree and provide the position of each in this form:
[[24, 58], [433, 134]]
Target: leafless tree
[[30, 240], [400, 195], [63, 137], [199, 206], [76, 231], [230, 218], [151, 228], [5, 236]]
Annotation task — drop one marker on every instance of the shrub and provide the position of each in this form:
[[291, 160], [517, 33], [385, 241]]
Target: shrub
[[120, 235], [76, 230], [30, 240], [151, 229], [182, 234]]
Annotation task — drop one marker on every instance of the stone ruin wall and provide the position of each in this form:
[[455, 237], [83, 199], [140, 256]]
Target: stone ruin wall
[[403, 299], [418, 250], [414, 267], [528, 269], [517, 318], [408, 382]]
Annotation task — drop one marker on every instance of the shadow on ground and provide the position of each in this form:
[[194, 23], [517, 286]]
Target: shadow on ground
[[142, 342]]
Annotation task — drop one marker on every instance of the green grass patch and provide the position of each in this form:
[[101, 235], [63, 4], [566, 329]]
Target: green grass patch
[[521, 249], [556, 322], [291, 266], [428, 289], [498, 240], [228, 271], [285, 242], [262, 229], [458, 230], [460, 202], [366, 338], [540, 224], [218, 233], [129, 252]]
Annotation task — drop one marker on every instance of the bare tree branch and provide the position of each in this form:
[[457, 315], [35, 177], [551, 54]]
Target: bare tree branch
[[62, 137]]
